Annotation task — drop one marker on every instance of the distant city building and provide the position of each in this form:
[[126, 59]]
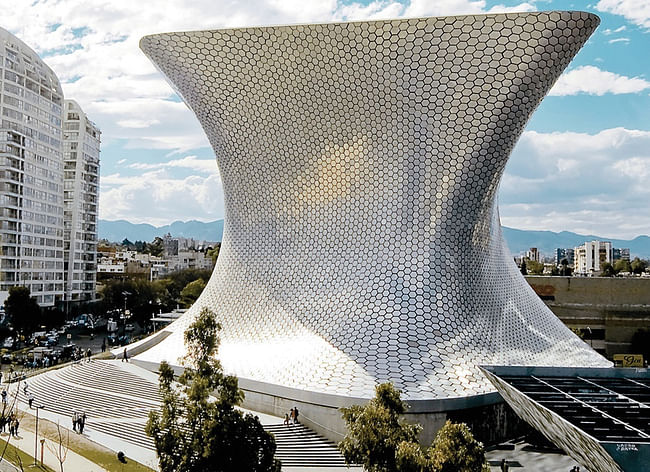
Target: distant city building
[[564, 253], [621, 253], [173, 245], [81, 141], [115, 263], [31, 174], [534, 255], [590, 257]]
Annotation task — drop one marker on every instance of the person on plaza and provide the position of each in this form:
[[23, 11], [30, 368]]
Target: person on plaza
[[82, 423], [74, 421], [16, 425], [295, 414], [104, 345], [291, 413], [4, 397], [504, 466], [89, 354], [286, 419], [25, 387], [0, 377], [30, 400], [125, 356], [3, 424]]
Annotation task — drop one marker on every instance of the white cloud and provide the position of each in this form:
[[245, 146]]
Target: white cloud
[[157, 197], [594, 81], [636, 11], [208, 166], [619, 40], [587, 183], [608, 31], [455, 7]]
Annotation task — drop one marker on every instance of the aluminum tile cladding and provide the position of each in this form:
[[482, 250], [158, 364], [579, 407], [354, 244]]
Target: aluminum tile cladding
[[360, 164]]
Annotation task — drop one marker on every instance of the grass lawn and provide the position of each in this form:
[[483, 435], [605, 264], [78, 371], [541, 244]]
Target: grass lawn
[[17, 456], [92, 451]]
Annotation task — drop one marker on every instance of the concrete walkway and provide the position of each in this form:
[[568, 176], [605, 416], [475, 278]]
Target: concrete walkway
[[26, 441]]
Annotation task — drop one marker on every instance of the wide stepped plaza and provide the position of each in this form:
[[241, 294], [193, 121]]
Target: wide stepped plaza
[[117, 398]]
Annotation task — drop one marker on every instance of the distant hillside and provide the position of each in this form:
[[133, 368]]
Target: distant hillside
[[546, 241], [117, 231], [518, 240]]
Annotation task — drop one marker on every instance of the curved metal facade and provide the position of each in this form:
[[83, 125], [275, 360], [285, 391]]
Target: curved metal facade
[[360, 165]]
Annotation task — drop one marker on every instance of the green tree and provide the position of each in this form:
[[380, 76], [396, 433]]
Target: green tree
[[455, 450], [179, 279], [534, 267], [607, 270], [192, 291], [22, 310], [383, 442], [375, 431], [141, 296], [155, 248], [196, 433], [622, 265], [214, 252], [638, 266]]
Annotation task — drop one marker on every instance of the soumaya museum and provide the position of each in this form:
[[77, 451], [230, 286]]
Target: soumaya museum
[[362, 242]]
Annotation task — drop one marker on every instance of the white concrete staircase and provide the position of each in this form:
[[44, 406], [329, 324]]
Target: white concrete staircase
[[117, 398]]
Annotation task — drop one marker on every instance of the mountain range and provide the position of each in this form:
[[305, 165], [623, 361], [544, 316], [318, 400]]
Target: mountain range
[[519, 240], [117, 231]]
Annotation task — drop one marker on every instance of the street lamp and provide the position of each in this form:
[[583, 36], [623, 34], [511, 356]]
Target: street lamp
[[126, 294], [38, 407]]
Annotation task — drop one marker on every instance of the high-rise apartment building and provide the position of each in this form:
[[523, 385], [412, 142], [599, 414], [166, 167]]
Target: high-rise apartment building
[[590, 257], [621, 253], [564, 253], [31, 174], [81, 140], [533, 254], [32, 184]]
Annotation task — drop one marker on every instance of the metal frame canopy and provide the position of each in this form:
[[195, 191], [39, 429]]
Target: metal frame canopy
[[599, 416]]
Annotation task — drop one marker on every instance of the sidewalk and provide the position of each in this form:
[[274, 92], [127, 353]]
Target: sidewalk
[[26, 442]]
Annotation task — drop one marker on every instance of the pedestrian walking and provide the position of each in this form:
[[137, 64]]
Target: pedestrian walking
[[25, 388], [89, 354], [0, 377], [125, 356], [295, 414], [286, 419], [16, 425], [504, 466], [30, 400], [82, 423], [74, 421], [4, 397], [104, 345], [3, 424]]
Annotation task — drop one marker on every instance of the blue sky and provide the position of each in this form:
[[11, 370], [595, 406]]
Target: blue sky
[[583, 163]]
